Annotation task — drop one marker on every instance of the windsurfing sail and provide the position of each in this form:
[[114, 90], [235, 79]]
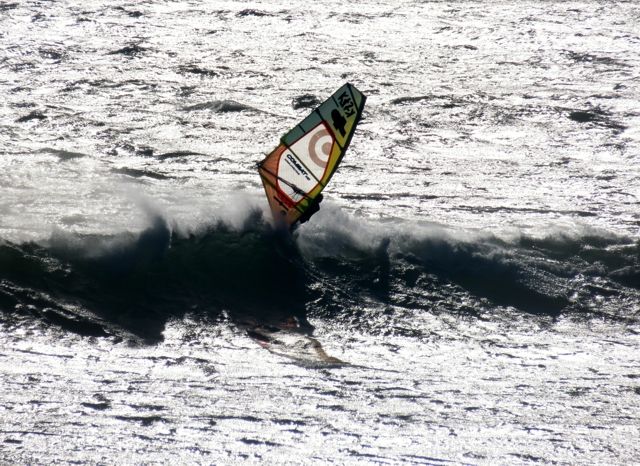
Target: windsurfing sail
[[301, 166]]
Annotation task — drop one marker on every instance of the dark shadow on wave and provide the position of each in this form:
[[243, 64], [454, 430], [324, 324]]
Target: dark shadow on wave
[[425, 273], [617, 260], [545, 277], [486, 271], [123, 257], [538, 276], [505, 290], [132, 284], [96, 285]]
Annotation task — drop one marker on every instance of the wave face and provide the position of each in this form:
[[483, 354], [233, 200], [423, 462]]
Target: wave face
[[371, 276]]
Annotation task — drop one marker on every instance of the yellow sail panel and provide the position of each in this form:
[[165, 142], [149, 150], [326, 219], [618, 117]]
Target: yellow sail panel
[[300, 167]]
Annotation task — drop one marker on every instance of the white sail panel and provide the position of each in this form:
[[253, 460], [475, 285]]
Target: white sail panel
[[314, 149], [294, 179]]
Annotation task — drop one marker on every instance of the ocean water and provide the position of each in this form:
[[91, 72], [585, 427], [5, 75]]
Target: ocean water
[[469, 292]]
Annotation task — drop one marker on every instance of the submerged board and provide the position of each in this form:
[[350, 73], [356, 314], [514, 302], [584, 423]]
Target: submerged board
[[307, 157]]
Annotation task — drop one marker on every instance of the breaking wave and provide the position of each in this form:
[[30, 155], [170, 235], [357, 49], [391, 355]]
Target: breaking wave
[[346, 269]]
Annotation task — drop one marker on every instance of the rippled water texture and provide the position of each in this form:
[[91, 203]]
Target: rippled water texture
[[469, 292]]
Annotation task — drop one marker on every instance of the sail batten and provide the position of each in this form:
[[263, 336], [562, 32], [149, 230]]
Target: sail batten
[[296, 171]]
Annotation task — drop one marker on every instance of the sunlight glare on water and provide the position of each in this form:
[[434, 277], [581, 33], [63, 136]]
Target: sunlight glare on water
[[468, 293]]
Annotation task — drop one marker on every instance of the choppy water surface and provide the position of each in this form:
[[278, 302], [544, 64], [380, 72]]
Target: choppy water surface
[[469, 292]]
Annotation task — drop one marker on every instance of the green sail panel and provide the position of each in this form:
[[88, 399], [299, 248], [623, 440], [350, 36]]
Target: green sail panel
[[308, 155]]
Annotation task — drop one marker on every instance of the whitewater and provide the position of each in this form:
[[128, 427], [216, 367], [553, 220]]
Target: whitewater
[[469, 292]]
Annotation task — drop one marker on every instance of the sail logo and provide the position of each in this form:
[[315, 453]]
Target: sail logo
[[347, 104], [293, 163], [349, 109], [339, 121]]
